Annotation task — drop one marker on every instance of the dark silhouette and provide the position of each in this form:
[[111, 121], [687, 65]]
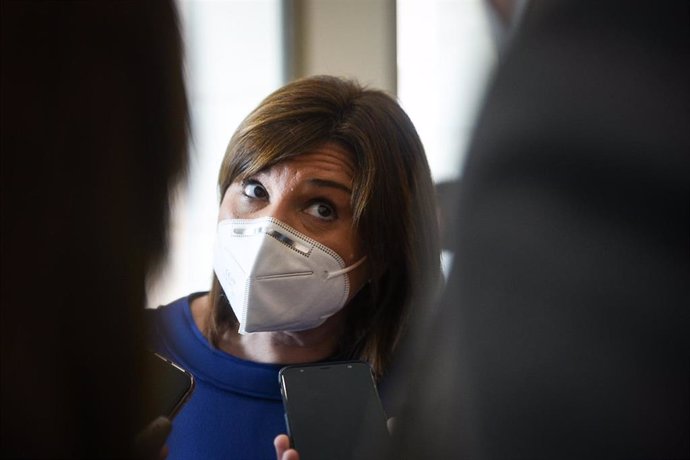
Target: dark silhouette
[[94, 136], [564, 329]]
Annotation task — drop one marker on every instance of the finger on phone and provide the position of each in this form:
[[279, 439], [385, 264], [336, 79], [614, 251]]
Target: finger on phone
[[283, 450]]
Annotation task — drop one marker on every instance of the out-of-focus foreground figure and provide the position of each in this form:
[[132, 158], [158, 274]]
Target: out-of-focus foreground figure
[[94, 136], [564, 329]]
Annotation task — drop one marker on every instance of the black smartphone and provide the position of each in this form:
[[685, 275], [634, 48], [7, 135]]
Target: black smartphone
[[333, 411], [171, 386]]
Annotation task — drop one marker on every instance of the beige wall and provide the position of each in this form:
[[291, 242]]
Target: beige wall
[[353, 38]]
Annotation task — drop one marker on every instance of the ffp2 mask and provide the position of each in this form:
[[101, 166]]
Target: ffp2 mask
[[276, 278]]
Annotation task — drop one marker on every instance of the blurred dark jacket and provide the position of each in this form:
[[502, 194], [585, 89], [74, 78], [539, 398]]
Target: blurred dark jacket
[[94, 136], [565, 327]]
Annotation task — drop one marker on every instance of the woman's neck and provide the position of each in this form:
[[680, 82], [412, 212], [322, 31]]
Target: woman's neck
[[313, 345]]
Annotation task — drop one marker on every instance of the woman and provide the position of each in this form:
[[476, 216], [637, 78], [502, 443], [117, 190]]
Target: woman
[[323, 176]]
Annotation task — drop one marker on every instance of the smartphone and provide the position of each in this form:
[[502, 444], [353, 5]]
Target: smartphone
[[333, 411], [171, 386]]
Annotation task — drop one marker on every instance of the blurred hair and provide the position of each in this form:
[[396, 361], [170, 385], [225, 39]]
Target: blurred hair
[[392, 199], [94, 137]]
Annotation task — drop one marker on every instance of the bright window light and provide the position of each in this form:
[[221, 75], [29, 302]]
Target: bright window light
[[445, 54], [234, 59]]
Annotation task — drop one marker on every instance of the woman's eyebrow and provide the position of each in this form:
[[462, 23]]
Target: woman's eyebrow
[[331, 184]]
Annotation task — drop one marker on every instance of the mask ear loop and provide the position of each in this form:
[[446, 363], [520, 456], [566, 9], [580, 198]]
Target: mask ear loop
[[346, 269]]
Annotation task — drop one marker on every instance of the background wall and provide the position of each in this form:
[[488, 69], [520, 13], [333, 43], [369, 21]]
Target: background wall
[[354, 38]]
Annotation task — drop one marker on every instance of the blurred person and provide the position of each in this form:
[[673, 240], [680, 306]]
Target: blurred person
[[326, 164], [94, 137], [564, 329]]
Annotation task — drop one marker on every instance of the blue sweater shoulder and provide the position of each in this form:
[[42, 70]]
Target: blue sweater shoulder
[[236, 409]]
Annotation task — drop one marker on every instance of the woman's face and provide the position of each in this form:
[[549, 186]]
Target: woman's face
[[312, 194]]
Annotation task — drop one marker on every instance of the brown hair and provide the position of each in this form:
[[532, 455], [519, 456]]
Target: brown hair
[[392, 199]]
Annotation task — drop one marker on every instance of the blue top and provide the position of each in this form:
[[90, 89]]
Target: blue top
[[236, 409]]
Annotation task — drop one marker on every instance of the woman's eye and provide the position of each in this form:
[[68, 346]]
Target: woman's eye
[[254, 189], [322, 210]]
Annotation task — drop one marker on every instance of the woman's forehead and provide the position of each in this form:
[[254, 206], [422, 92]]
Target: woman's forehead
[[327, 160]]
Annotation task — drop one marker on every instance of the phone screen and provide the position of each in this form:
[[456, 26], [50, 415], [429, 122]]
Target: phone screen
[[171, 386], [333, 411]]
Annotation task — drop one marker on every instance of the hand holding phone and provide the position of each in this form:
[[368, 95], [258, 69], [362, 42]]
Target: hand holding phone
[[333, 411], [283, 449]]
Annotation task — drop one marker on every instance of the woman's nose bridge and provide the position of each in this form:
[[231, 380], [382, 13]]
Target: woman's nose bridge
[[281, 209]]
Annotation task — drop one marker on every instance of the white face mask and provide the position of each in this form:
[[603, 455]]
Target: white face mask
[[276, 278]]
